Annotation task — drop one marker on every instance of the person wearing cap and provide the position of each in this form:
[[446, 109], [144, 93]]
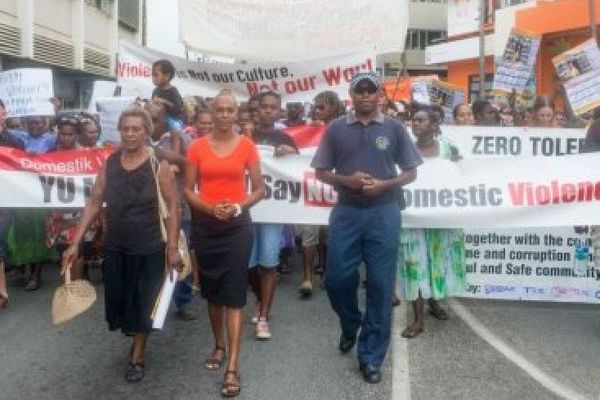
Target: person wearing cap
[[359, 155]]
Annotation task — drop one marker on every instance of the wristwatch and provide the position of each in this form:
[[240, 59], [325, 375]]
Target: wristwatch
[[238, 210]]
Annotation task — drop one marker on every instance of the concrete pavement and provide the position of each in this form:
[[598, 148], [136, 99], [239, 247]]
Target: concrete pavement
[[559, 343], [83, 360]]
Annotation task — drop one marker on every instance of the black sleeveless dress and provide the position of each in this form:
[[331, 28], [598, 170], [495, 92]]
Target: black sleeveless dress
[[134, 252]]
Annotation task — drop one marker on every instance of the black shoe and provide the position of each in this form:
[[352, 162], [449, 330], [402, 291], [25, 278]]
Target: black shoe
[[135, 372], [370, 373], [347, 343]]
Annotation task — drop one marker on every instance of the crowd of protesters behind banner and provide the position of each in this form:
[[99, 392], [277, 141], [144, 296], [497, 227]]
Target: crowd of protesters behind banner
[[176, 127]]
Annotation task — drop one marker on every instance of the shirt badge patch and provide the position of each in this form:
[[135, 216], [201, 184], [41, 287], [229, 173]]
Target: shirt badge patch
[[382, 142]]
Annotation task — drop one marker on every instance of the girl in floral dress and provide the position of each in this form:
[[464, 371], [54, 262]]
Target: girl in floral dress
[[432, 264]]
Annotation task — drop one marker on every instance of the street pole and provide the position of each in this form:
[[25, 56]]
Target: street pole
[[144, 23], [592, 8], [482, 48]]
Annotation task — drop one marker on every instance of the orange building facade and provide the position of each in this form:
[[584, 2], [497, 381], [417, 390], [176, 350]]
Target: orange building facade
[[563, 24]]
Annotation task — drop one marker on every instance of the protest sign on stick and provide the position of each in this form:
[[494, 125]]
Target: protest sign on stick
[[516, 66], [433, 91], [27, 91], [579, 71]]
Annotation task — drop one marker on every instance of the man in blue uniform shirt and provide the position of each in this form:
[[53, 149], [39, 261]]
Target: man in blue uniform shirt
[[359, 155]]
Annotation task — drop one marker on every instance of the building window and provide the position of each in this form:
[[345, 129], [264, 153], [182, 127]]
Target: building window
[[129, 14], [509, 3], [417, 39]]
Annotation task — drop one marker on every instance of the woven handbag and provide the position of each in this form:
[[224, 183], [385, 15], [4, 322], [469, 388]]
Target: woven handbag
[[71, 299], [163, 213]]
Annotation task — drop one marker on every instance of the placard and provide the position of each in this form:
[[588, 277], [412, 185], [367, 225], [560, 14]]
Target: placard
[[27, 91]]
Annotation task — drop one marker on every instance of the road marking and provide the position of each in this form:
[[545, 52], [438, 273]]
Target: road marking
[[400, 372], [512, 355]]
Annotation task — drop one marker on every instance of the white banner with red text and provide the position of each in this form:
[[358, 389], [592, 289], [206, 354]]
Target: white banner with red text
[[295, 81], [472, 193], [536, 196]]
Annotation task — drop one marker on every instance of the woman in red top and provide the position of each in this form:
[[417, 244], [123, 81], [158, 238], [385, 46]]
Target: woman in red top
[[217, 165]]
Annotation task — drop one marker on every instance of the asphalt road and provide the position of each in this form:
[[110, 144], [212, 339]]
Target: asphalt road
[[487, 350]]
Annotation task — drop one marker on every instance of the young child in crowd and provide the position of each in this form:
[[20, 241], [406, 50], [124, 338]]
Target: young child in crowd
[[163, 72]]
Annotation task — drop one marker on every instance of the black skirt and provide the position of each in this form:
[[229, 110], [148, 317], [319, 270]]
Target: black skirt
[[132, 283], [223, 251]]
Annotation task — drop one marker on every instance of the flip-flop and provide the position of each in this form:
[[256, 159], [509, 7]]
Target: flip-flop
[[411, 333]]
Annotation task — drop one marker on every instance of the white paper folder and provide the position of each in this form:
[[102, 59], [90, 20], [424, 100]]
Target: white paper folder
[[161, 307]]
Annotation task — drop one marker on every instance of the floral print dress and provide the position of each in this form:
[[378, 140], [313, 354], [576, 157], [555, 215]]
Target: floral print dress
[[432, 261]]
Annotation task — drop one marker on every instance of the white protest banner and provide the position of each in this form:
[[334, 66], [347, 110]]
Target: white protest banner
[[473, 141], [513, 263], [109, 109], [529, 264], [27, 91], [516, 66], [295, 81], [516, 263], [292, 30], [472, 194], [433, 91], [579, 71], [48, 180]]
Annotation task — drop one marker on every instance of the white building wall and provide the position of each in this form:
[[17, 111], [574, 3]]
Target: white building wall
[[52, 18], [98, 26], [423, 16], [50, 32], [468, 48]]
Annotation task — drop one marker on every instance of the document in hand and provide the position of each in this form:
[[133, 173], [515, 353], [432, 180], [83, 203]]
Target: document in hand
[[161, 307]]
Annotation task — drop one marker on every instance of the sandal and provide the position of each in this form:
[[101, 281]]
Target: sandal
[[135, 372], [3, 300], [229, 388], [437, 311], [213, 363], [411, 333]]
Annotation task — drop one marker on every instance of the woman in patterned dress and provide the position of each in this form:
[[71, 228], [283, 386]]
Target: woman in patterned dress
[[432, 265]]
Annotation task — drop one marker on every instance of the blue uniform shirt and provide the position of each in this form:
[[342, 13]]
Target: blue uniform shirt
[[377, 148]]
